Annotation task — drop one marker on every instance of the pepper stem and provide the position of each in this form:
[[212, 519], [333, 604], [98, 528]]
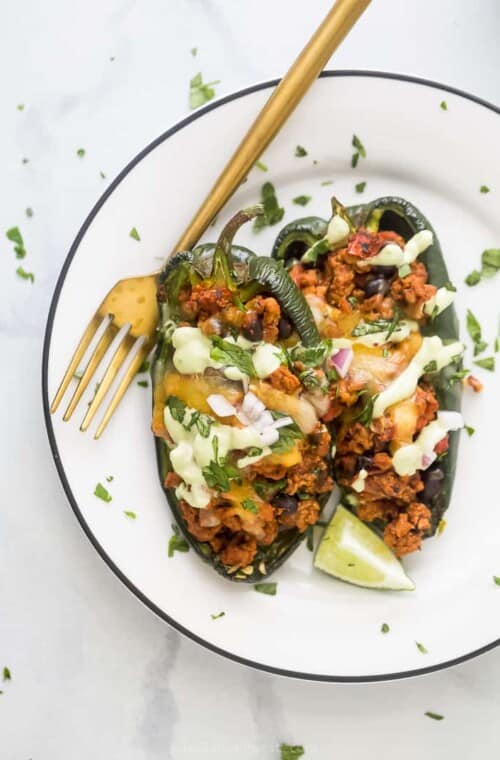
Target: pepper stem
[[221, 267]]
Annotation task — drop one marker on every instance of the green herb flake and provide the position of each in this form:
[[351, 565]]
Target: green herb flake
[[102, 493], [431, 366], [194, 51], [102, 175], [473, 278], [491, 258], [484, 189], [384, 628], [131, 515], [360, 187], [354, 160], [110, 478], [231, 355], [25, 275], [14, 235], [473, 327], [404, 270], [250, 506], [469, 430], [29, 212], [177, 408], [433, 715], [20, 107], [80, 152], [496, 580], [356, 143], [134, 234], [421, 648], [217, 615], [302, 200], [457, 376], [300, 151], [200, 92], [260, 165], [444, 105], [366, 414], [176, 542], [273, 213], [266, 588], [488, 363], [7, 676], [327, 182], [291, 751], [143, 383]]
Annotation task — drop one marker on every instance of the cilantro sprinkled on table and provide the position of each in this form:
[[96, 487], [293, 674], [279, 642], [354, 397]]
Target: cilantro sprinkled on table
[[262, 166], [469, 430], [134, 234], [488, 363], [14, 235], [302, 200], [266, 588], [102, 493], [327, 182], [484, 189], [7, 676], [496, 580], [300, 151], [80, 152], [457, 376], [444, 105], [475, 332], [194, 51], [29, 212], [25, 275], [384, 628], [200, 92], [217, 615], [490, 264], [360, 187], [421, 648], [291, 751], [143, 383], [110, 478], [273, 213], [20, 107], [131, 515], [433, 715], [360, 150], [177, 543]]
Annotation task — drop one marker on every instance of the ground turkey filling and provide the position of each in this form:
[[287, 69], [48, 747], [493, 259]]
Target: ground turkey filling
[[342, 290]]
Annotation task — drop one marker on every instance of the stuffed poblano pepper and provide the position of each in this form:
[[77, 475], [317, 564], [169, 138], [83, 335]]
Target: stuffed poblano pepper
[[377, 285], [242, 453]]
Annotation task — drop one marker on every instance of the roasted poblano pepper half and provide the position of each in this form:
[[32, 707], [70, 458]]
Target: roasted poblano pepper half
[[400, 216], [245, 275]]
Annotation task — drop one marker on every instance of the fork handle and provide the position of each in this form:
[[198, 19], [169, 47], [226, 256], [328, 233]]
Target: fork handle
[[278, 108]]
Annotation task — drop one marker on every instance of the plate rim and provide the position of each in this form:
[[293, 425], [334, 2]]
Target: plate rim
[[199, 113]]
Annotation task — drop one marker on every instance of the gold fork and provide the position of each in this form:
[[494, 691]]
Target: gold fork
[[131, 304]]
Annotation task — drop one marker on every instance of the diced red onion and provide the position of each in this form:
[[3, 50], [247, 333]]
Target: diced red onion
[[427, 459], [282, 422], [269, 436], [220, 405], [451, 420], [342, 360]]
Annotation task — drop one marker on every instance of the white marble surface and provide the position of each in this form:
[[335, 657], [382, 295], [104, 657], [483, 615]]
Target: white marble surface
[[94, 673]]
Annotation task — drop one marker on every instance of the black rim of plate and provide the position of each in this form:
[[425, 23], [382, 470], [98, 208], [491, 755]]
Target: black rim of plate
[[46, 403]]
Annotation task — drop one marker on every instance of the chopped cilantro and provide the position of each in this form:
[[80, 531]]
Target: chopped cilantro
[[217, 615], [433, 715], [473, 278], [273, 213], [102, 493], [130, 514], [14, 235], [260, 165], [231, 355], [218, 473], [266, 588], [327, 182], [469, 430], [20, 107], [302, 200], [484, 189], [134, 234], [474, 330], [311, 356], [176, 543], [288, 435], [360, 187], [431, 366], [29, 212], [194, 51], [143, 383], [177, 408], [354, 160], [110, 478], [496, 580], [291, 751], [25, 275], [457, 376], [366, 414], [200, 93], [488, 363], [300, 151], [490, 264], [491, 258], [360, 151], [80, 152], [421, 648], [7, 676], [384, 628], [250, 506], [444, 105]]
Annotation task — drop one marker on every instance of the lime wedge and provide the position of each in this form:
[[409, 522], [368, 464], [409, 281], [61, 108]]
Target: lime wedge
[[349, 550]]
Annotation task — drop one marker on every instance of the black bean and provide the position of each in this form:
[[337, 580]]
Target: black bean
[[285, 328], [433, 483], [385, 271], [364, 462], [286, 503], [376, 285], [253, 330]]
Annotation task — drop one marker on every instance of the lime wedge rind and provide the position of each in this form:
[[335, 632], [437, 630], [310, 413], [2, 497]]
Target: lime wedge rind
[[350, 551]]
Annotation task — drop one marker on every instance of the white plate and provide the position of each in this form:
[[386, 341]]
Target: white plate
[[316, 627]]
